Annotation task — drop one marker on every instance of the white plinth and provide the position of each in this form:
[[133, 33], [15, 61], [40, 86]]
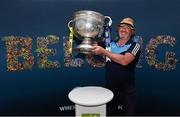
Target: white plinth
[[90, 101]]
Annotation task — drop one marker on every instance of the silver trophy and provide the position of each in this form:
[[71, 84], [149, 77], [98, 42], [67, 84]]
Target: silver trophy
[[87, 26]]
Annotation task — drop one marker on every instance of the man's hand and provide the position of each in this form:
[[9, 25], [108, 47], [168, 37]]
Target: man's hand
[[98, 49]]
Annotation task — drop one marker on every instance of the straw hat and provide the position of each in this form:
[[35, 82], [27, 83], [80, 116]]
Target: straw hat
[[129, 21]]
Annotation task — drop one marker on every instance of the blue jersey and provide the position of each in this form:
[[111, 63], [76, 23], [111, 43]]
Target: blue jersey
[[117, 75]]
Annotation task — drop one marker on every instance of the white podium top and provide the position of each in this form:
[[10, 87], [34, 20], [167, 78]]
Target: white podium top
[[90, 95]]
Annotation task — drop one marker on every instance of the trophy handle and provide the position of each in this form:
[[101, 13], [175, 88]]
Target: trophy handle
[[69, 23], [110, 20]]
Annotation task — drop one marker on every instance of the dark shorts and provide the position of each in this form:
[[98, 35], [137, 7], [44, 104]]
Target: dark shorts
[[123, 102]]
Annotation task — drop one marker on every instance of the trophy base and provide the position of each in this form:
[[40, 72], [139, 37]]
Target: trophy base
[[85, 49]]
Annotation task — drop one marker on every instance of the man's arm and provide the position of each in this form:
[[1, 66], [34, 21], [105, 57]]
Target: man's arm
[[118, 58], [123, 59]]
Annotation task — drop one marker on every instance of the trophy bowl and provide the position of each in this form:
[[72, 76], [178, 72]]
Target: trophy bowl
[[87, 26]]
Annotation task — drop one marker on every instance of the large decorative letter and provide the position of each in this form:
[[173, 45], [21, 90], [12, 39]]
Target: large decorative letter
[[170, 59], [68, 61], [18, 54], [43, 52]]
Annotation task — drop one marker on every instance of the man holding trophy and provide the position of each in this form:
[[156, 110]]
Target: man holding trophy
[[120, 69], [121, 55]]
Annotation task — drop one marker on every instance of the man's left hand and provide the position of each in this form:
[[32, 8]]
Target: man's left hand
[[98, 49]]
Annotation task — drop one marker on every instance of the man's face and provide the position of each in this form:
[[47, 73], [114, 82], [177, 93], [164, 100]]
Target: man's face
[[125, 31]]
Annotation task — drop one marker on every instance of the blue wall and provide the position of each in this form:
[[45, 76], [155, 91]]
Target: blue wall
[[43, 91]]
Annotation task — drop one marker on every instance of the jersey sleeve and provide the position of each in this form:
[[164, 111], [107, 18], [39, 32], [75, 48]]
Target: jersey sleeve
[[134, 49]]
